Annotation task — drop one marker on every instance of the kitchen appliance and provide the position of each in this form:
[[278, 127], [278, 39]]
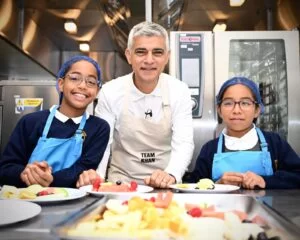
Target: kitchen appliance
[[18, 98], [270, 58], [191, 61]]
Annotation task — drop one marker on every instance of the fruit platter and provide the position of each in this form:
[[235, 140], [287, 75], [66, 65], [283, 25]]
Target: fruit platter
[[100, 188], [166, 215], [99, 185], [204, 185], [37, 193]]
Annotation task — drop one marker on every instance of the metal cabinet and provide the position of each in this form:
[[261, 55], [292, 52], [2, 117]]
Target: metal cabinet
[[22, 97]]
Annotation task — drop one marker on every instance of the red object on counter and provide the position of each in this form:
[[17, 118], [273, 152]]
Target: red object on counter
[[97, 184]]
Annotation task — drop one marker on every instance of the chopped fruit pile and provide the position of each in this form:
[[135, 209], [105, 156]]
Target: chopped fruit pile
[[162, 217], [34, 191], [100, 186]]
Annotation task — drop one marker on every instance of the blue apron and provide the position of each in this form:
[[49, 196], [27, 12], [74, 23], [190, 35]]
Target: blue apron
[[59, 153], [258, 162]]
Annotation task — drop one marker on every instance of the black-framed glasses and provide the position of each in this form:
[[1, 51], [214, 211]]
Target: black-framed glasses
[[77, 78], [244, 104]]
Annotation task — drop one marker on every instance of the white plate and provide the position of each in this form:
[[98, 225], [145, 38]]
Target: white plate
[[219, 188], [140, 189], [73, 193], [13, 211]]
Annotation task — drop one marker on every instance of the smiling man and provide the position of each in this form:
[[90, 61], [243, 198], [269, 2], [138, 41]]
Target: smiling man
[[150, 114]]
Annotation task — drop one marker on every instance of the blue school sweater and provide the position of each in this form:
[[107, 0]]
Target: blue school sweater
[[26, 135], [285, 162]]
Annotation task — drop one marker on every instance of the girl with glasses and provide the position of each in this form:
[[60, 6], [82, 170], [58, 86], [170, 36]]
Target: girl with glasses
[[53, 147], [243, 154]]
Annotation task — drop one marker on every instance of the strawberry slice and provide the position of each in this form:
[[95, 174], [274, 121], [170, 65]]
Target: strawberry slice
[[152, 199], [133, 186], [195, 212], [96, 184], [47, 191]]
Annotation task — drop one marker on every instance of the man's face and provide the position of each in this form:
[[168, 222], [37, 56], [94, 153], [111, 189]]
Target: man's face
[[148, 58]]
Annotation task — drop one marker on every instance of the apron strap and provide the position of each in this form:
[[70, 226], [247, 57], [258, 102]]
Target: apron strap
[[220, 143], [263, 144], [165, 100], [266, 160], [82, 122], [126, 95], [165, 92], [49, 121], [78, 133]]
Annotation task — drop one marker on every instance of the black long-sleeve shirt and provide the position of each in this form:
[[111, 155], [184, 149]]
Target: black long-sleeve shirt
[[285, 163], [25, 137]]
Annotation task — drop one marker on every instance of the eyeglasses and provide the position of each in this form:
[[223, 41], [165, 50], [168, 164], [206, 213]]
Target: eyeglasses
[[77, 79], [244, 104]]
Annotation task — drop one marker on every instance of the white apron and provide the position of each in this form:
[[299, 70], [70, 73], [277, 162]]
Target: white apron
[[141, 146]]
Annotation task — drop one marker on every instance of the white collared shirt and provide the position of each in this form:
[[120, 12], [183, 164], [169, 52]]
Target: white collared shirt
[[142, 102], [110, 104], [248, 141], [63, 118]]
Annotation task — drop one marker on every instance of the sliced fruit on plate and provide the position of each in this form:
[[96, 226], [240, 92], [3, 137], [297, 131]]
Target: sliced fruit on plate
[[35, 188], [26, 194], [53, 191], [45, 192], [61, 191], [182, 185], [51, 196], [114, 188], [106, 184], [133, 186], [205, 184], [9, 192], [32, 192], [97, 183], [100, 186]]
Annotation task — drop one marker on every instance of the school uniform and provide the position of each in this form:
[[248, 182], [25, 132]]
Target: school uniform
[[148, 131], [88, 135], [279, 164]]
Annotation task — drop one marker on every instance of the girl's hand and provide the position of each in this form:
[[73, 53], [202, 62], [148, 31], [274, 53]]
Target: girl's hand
[[37, 173], [251, 180], [232, 178], [86, 178]]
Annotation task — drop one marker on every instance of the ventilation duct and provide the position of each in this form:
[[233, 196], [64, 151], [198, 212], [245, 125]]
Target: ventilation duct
[[116, 14], [26, 53], [168, 12]]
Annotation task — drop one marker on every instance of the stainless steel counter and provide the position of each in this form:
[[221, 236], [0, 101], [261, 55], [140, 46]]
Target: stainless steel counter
[[284, 202], [39, 227]]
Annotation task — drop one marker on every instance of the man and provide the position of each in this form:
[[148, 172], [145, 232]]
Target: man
[[150, 115]]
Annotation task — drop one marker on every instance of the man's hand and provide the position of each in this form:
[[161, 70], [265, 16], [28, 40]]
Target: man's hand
[[37, 173], [251, 180], [86, 178], [231, 178], [160, 179]]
